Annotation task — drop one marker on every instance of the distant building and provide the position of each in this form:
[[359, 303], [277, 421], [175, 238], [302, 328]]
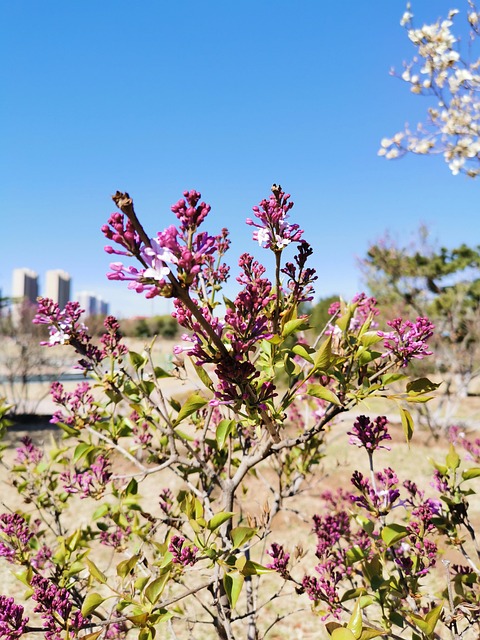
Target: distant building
[[25, 285], [92, 304], [57, 286]]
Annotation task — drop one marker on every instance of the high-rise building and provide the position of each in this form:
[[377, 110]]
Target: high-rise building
[[92, 304], [25, 285], [57, 286]]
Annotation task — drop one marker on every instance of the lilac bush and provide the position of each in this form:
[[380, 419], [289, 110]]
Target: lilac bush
[[264, 396]]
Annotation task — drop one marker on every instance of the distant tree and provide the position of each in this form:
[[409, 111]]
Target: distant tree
[[319, 316], [446, 69], [443, 284]]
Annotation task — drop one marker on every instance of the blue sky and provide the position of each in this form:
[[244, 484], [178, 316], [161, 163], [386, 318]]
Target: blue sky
[[157, 97]]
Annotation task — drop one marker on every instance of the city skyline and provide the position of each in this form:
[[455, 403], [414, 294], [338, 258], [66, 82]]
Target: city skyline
[[57, 287]]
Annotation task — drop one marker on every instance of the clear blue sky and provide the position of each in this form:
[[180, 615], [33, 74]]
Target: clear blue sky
[[156, 97]]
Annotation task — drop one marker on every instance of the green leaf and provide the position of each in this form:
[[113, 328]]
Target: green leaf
[[203, 375], [369, 338], [354, 554], [388, 378], [422, 385], [342, 633], [137, 361], [241, 535], [370, 632], [293, 326], [233, 583], [224, 429], [131, 488], [432, 618], [161, 373], [156, 587], [407, 423], [367, 356], [91, 602], [301, 350], [193, 403], [126, 566], [393, 533], [355, 622], [319, 391], [452, 459], [218, 519], [323, 358], [251, 568], [468, 474], [81, 450]]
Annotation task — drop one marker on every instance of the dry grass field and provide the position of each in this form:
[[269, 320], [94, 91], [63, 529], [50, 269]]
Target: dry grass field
[[293, 526]]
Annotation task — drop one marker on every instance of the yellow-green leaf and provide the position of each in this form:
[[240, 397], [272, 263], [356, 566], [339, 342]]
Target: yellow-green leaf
[[218, 519], [233, 583], [91, 602], [393, 533], [407, 423], [342, 633], [194, 403], [156, 587], [452, 459], [319, 391]]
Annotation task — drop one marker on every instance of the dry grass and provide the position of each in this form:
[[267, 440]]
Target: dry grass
[[291, 527]]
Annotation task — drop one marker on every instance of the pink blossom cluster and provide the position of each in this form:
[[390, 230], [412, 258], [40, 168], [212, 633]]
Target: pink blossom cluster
[[368, 434], [182, 554], [91, 482], [280, 559], [55, 605], [273, 231], [12, 623], [15, 535], [28, 453], [408, 339], [65, 328], [78, 406]]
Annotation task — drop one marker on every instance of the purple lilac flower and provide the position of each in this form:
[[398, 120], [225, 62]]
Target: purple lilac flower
[[79, 405], [182, 554], [15, 535], [280, 559], [369, 434], [273, 231], [378, 502], [111, 339], [65, 328], [28, 453], [408, 340], [166, 500], [56, 608], [300, 278], [116, 630], [12, 623], [91, 482], [42, 557]]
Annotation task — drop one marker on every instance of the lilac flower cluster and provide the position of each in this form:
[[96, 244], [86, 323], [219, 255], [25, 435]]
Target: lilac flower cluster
[[112, 339], [300, 278], [28, 453], [78, 405], [457, 435], [369, 434], [377, 501], [123, 233], [56, 608], [142, 434], [273, 231], [65, 328], [280, 559], [115, 536], [166, 500], [89, 483], [15, 535], [365, 309], [182, 554], [408, 340], [417, 556], [12, 623]]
